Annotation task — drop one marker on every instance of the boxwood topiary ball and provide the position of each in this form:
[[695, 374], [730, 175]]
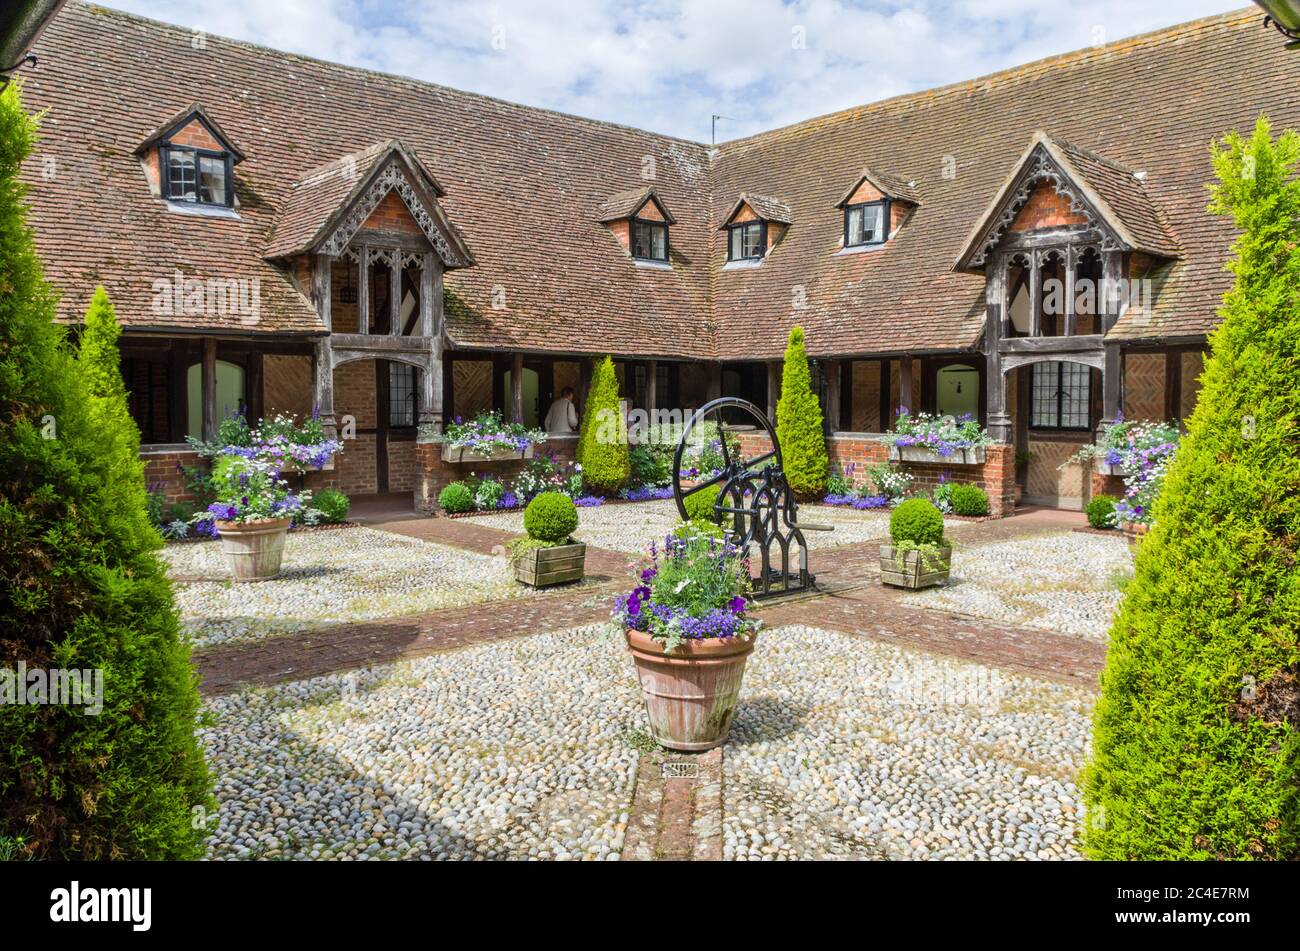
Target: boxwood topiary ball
[[1100, 510], [969, 499], [551, 517], [456, 498], [917, 521]]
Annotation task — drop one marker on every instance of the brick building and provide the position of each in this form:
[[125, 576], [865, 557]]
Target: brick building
[[1032, 246]]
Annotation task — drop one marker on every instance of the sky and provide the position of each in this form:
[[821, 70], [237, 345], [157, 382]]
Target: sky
[[669, 65]]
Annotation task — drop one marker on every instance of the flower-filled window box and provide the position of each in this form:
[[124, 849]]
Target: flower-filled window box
[[937, 439], [489, 438], [1138, 451]]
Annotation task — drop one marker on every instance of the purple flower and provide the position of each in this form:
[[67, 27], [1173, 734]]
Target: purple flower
[[736, 604]]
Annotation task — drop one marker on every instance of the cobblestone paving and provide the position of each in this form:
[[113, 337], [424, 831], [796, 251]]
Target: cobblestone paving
[[845, 748], [1066, 582], [329, 578]]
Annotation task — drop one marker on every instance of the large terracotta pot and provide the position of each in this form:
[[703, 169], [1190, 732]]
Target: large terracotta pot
[[253, 550], [691, 694]]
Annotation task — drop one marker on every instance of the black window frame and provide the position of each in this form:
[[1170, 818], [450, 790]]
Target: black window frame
[[1059, 413], [762, 239], [632, 243], [884, 205], [412, 397], [164, 166]]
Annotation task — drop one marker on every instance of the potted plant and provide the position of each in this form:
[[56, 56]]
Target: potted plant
[[548, 554], [253, 510], [937, 439], [918, 555], [487, 438], [689, 634]]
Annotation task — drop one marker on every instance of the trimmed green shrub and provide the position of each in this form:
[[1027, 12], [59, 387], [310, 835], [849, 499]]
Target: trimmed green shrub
[[331, 503], [1196, 735], [456, 497], [799, 425], [699, 507], [551, 517], [916, 522], [1100, 511], [969, 499], [84, 587], [694, 527], [602, 439]]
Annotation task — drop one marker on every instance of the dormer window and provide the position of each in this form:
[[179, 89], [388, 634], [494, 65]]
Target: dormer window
[[746, 241], [649, 240], [865, 223], [196, 175]]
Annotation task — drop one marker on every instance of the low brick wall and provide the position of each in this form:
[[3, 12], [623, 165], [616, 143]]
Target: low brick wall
[[432, 474], [1106, 485], [856, 453], [162, 469]]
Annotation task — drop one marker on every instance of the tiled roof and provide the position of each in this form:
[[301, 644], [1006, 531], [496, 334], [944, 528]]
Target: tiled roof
[[193, 111], [889, 185], [317, 196], [769, 209], [527, 188], [627, 203]]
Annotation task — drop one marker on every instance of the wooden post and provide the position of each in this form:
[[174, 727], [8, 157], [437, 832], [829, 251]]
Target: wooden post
[[715, 381], [886, 404], [395, 293], [585, 370], [426, 296], [997, 419], [323, 385], [773, 388], [1112, 385], [517, 387], [1069, 292], [1173, 385], [209, 388], [833, 395], [651, 385], [905, 383], [1035, 296], [179, 412], [320, 288], [363, 290]]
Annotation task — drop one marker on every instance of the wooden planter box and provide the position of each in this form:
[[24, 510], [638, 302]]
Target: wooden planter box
[[496, 454], [961, 457], [913, 570], [543, 567]]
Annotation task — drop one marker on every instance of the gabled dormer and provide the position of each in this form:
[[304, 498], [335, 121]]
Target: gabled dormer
[[875, 207], [754, 226], [189, 163], [640, 222]]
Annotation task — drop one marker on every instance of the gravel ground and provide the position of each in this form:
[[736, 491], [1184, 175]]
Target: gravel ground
[[507, 750], [842, 747], [631, 527], [846, 748], [1066, 582], [352, 574]]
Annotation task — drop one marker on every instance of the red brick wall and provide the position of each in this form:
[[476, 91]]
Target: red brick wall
[[163, 469], [392, 215], [1046, 208], [433, 474], [996, 475]]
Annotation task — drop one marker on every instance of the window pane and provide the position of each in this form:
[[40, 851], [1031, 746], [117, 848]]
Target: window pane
[[737, 237], [212, 180], [855, 226], [1043, 412], [401, 394], [1076, 382], [872, 216], [753, 239], [180, 175], [659, 243]]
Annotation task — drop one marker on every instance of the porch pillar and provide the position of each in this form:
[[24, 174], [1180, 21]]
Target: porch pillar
[[886, 404], [905, 383], [715, 381], [1069, 290], [773, 389], [1112, 385], [517, 387], [395, 292], [584, 383], [426, 296], [1035, 295], [363, 289], [651, 385], [320, 287], [209, 388], [997, 419], [833, 395], [322, 371]]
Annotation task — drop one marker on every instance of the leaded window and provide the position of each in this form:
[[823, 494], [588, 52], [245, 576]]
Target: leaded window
[[401, 394], [1061, 396]]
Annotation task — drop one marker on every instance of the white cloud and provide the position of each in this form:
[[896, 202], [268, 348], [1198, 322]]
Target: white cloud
[[668, 65]]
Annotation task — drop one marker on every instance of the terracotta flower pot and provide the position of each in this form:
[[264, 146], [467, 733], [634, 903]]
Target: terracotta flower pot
[[253, 550], [691, 694]]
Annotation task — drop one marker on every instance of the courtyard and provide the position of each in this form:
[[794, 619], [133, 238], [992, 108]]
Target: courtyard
[[396, 695]]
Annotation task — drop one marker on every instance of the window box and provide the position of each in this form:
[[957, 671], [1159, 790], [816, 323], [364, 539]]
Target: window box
[[493, 454], [973, 456]]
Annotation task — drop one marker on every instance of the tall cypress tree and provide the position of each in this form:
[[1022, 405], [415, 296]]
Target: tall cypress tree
[[602, 437], [799, 424], [1197, 732], [83, 588]]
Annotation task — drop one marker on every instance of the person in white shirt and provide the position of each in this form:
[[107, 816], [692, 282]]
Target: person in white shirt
[[562, 417]]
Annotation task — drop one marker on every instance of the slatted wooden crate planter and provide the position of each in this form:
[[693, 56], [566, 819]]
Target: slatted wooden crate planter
[[914, 569], [495, 454], [960, 457], [543, 567]]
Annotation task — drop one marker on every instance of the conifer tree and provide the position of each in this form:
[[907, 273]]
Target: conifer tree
[[799, 424]]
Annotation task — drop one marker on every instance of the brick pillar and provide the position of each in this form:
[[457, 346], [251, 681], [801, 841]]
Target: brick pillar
[[1000, 479]]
